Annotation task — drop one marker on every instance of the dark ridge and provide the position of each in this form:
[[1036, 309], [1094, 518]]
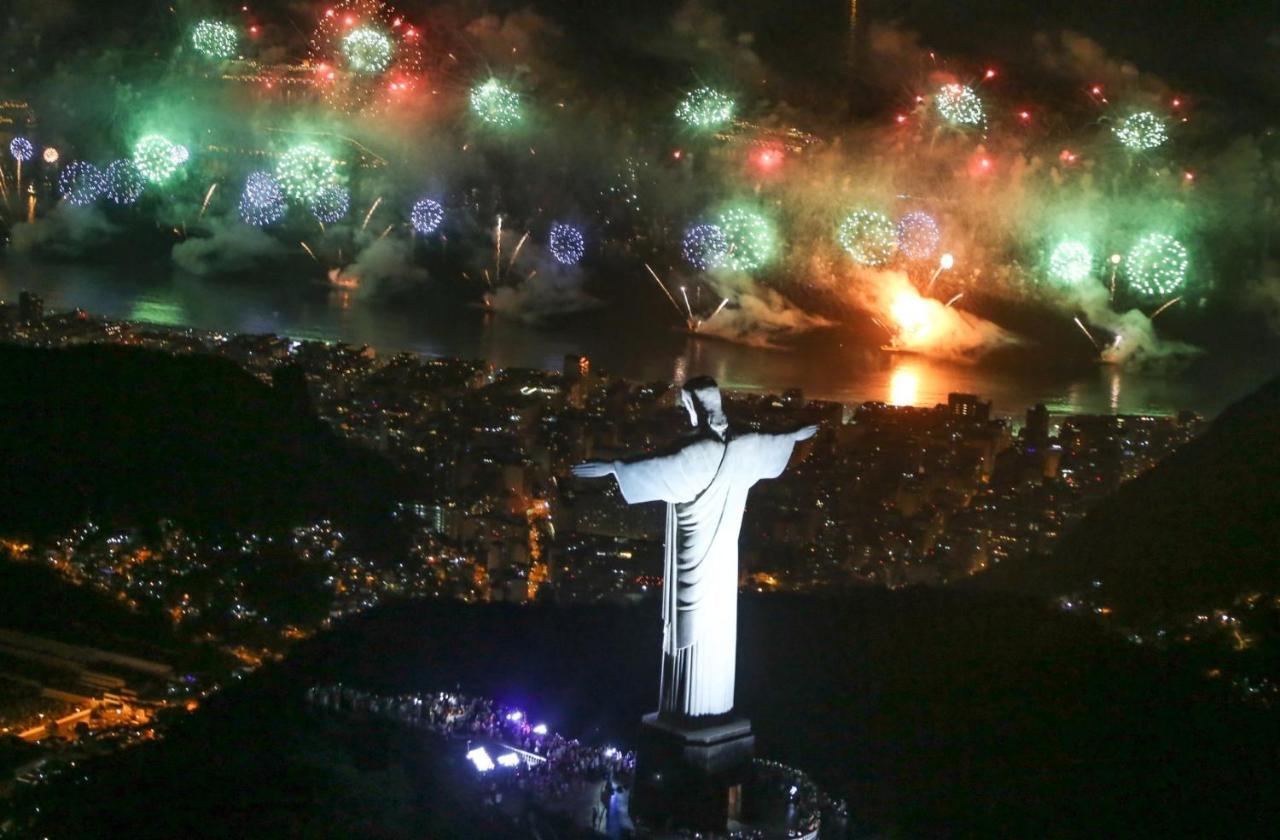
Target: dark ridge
[[935, 713], [1191, 534], [128, 436]]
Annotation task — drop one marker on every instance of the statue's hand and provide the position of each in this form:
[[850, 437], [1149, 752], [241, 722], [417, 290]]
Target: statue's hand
[[593, 469], [804, 433]]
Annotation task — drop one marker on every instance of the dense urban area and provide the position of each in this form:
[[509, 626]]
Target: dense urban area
[[885, 495]]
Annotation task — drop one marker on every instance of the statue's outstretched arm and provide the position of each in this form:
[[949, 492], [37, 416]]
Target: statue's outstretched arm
[[803, 433], [594, 469]]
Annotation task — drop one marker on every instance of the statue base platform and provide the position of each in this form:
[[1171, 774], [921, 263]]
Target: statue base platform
[[689, 773]]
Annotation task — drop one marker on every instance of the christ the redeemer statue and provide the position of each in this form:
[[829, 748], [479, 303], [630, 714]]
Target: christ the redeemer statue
[[704, 483]]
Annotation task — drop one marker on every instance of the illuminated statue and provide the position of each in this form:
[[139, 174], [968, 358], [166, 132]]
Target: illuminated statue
[[704, 482]]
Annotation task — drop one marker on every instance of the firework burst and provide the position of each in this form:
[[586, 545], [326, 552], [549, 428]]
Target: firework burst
[[959, 105], [1156, 265], [705, 108], [366, 52], [21, 149], [305, 172], [124, 183], [332, 204], [751, 237], [918, 235], [1141, 132], [1070, 262], [215, 39], [426, 216], [81, 183], [705, 246], [495, 104], [158, 158], [262, 201], [868, 236], [566, 244]]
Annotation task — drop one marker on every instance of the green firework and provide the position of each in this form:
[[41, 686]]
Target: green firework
[[705, 108], [959, 105], [868, 236], [157, 157], [1070, 262], [1141, 132], [215, 39], [305, 172], [367, 50], [751, 238], [495, 104], [1156, 265]]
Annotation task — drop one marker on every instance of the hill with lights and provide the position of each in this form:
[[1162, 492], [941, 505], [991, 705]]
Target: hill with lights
[[1196, 533]]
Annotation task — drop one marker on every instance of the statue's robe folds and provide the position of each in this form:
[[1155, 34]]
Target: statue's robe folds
[[705, 485]]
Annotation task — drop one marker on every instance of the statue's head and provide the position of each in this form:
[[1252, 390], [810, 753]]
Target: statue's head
[[701, 398]]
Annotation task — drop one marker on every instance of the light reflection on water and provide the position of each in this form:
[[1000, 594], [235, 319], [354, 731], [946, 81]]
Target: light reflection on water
[[904, 385], [824, 366]]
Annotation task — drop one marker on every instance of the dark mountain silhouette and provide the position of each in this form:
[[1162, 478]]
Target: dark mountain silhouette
[[128, 436], [1193, 534], [936, 713]]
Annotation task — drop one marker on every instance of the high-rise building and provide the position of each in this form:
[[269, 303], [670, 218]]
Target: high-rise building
[[1036, 432], [968, 405], [30, 308]]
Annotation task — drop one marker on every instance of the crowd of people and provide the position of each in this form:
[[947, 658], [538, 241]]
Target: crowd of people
[[563, 774], [550, 771]]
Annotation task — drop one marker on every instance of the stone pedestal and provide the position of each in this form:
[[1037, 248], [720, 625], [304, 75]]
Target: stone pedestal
[[689, 773]]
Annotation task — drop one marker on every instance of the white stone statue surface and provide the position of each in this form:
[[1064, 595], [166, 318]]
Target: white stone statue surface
[[704, 483]]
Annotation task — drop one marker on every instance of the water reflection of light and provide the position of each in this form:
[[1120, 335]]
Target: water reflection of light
[[1115, 391], [904, 386]]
